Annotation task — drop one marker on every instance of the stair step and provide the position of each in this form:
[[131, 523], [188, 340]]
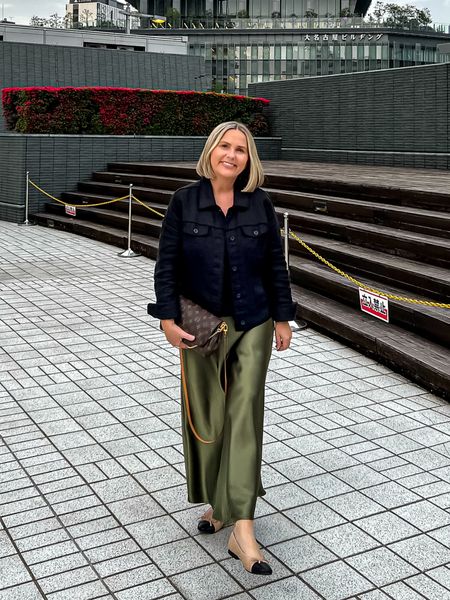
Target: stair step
[[401, 217], [420, 360], [377, 191], [99, 188], [420, 220], [152, 181], [415, 246], [430, 322], [141, 244], [364, 262]]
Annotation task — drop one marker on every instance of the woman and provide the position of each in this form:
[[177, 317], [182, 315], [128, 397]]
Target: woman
[[220, 246]]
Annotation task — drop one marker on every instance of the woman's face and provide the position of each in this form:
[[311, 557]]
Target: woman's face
[[229, 158]]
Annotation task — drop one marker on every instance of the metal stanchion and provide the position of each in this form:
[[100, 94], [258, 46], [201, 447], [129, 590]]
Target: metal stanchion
[[128, 253], [27, 201], [286, 238], [295, 325]]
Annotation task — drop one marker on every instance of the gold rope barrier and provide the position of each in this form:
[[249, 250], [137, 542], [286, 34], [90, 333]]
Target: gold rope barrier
[[75, 205], [147, 207], [363, 285]]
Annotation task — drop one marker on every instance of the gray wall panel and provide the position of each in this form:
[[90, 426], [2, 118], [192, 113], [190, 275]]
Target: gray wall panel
[[392, 117]]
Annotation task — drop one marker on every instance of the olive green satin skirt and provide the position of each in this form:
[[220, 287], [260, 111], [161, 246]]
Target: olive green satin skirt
[[227, 473]]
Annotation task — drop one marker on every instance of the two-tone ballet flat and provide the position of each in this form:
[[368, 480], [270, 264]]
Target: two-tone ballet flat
[[207, 524], [252, 565]]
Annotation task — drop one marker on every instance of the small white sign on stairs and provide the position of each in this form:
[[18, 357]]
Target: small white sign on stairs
[[71, 210], [377, 306]]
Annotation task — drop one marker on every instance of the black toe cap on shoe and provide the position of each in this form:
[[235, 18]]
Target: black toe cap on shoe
[[261, 568], [206, 527]]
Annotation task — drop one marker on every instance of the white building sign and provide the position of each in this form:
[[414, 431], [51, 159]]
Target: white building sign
[[342, 37]]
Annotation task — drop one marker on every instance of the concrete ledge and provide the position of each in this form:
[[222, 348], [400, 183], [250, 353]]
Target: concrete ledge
[[58, 162], [419, 160]]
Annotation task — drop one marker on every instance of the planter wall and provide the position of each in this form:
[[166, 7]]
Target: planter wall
[[59, 66]]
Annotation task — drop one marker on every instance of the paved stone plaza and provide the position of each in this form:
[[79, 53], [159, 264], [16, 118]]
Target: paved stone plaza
[[92, 492]]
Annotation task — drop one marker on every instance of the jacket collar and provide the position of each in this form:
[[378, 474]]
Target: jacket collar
[[206, 199]]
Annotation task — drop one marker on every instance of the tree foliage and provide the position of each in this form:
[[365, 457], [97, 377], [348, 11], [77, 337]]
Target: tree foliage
[[403, 16], [54, 21]]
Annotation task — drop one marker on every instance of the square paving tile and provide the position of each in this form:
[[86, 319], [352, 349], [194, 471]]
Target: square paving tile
[[337, 581], [179, 556], [423, 552], [287, 495], [25, 591], [424, 515], [441, 575], [324, 486], [360, 477], [302, 554], [290, 588], [205, 583], [346, 540], [391, 495], [153, 589], [381, 566], [156, 531], [387, 527], [13, 571], [401, 591], [353, 505], [428, 588], [314, 517]]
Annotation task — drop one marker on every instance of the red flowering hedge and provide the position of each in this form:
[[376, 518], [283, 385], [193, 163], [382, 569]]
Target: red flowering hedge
[[125, 111]]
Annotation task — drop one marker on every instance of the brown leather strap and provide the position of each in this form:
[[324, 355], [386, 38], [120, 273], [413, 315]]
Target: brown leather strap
[[186, 395]]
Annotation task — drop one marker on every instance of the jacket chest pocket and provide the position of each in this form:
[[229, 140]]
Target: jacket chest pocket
[[196, 241], [254, 237], [195, 230]]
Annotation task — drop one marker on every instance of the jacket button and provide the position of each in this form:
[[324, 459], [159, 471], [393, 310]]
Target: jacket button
[[195, 230], [234, 268], [255, 232], [242, 322], [232, 238], [238, 295]]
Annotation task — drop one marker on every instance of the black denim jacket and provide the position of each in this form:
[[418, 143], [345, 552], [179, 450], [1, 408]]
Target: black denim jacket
[[191, 256]]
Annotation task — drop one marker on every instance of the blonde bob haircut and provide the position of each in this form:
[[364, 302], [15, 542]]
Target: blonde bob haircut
[[253, 174]]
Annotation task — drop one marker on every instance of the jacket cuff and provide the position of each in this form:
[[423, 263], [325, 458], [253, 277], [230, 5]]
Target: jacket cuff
[[161, 312], [285, 313]]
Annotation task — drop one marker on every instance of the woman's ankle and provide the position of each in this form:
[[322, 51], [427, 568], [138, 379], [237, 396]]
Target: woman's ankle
[[244, 526]]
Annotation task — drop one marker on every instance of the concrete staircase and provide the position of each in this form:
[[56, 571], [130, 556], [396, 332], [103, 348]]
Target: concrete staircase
[[392, 240]]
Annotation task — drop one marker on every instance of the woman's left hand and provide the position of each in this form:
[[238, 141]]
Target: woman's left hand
[[283, 335]]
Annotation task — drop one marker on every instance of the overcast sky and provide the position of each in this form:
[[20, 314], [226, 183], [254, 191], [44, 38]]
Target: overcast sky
[[21, 11]]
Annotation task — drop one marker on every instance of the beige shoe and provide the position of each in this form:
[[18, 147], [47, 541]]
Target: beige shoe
[[252, 565], [207, 524]]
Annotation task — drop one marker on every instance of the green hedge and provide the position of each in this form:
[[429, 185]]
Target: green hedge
[[125, 111]]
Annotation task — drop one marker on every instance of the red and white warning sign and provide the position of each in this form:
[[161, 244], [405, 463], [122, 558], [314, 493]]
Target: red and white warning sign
[[71, 211], [377, 306]]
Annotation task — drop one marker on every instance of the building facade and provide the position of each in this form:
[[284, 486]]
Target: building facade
[[444, 52], [100, 13], [253, 41], [81, 38], [202, 10]]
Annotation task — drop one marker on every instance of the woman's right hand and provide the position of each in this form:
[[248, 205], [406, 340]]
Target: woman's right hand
[[174, 334]]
